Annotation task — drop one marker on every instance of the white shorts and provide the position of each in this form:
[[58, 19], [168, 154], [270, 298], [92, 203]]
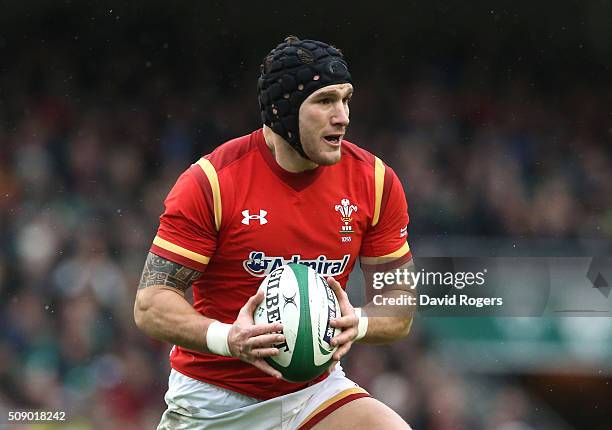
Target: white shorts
[[194, 404]]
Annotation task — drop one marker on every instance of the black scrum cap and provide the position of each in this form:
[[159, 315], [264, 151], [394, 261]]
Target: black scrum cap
[[290, 73]]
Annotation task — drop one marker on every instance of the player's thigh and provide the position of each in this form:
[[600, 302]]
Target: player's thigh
[[365, 413]]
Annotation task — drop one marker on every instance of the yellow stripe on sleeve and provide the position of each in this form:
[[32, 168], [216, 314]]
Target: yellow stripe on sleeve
[[379, 182], [211, 174], [169, 246], [385, 258]]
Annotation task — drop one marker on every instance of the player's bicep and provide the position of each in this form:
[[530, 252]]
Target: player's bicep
[[382, 278], [402, 278], [161, 272]]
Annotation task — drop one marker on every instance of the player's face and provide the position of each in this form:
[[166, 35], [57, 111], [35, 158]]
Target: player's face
[[324, 117]]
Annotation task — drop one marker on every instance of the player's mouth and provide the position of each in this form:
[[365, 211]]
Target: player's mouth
[[333, 139]]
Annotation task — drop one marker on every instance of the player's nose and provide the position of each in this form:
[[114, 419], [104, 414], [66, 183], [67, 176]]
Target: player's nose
[[340, 116]]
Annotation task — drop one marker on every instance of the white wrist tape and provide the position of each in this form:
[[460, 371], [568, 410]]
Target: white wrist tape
[[216, 338], [362, 328]]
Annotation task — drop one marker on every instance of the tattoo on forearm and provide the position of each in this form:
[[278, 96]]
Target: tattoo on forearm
[[159, 271]]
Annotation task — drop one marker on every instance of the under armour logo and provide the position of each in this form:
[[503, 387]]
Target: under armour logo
[[248, 217]]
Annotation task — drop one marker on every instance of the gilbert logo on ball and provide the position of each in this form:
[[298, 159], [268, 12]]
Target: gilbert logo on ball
[[302, 300]]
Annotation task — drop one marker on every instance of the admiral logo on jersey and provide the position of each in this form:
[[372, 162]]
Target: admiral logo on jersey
[[261, 266]]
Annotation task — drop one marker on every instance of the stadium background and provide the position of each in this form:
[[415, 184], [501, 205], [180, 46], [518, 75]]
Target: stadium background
[[496, 116]]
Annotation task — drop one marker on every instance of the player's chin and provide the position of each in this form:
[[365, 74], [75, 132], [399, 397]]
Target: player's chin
[[327, 158]]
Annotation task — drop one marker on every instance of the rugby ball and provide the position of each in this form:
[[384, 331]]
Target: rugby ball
[[304, 303]]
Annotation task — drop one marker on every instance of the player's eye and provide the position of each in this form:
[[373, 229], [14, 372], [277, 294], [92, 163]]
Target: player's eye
[[325, 101]]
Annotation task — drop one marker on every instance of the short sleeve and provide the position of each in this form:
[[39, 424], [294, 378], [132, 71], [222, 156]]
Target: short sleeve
[[187, 231], [386, 242]]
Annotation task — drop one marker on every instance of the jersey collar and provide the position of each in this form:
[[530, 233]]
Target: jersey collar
[[297, 181]]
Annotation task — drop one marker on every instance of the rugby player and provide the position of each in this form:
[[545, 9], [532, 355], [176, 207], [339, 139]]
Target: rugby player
[[293, 191]]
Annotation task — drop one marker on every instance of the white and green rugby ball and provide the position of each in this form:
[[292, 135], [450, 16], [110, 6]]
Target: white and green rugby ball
[[303, 302]]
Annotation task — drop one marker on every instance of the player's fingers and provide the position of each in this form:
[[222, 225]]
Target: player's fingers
[[345, 305], [345, 321], [344, 337], [252, 303], [265, 367], [335, 285], [263, 352], [265, 340], [246, 312], [260, 329], [332, 366], [341, 351]]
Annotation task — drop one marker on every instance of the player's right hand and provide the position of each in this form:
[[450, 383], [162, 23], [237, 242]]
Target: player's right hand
[[250, 342]]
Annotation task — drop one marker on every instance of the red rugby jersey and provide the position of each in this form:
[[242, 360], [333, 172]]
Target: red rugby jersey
[[237, 215]]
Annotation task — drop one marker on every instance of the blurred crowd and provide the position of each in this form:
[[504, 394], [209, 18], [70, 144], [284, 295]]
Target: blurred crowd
[[86, 163]]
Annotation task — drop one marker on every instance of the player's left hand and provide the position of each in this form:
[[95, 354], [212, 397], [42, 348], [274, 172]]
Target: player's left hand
[[348, 323]]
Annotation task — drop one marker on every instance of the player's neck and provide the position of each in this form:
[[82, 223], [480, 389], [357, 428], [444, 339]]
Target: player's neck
[[284, 154]]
